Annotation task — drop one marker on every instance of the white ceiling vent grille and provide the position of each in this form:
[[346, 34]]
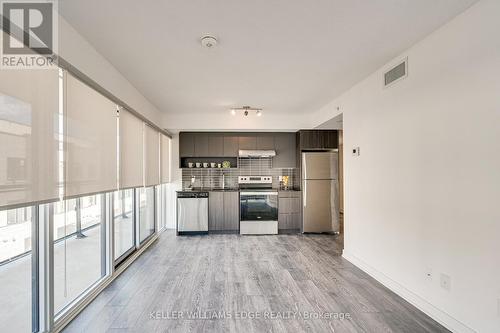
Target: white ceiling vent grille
[[396, 73]]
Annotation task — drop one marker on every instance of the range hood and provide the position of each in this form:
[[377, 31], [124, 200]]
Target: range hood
[[257, 153]]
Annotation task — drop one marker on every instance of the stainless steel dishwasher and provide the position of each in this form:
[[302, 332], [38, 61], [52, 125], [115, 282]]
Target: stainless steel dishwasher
[[192, 213]]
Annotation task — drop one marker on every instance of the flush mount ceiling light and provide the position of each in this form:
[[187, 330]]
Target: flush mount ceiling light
[[208, 41], [246, 110]]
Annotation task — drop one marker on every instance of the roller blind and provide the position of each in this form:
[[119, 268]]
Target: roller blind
[[165, 158], [151, 156], [131, 150], [29, 107], [91, 140]]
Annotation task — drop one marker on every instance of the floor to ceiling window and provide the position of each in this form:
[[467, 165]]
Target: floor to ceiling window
[[79, 247], [123, 219], [61, 138], [16, 273], [146, 200], [161, 196]]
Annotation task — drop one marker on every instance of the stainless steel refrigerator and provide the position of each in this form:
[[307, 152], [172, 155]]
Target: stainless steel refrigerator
[[320, 190]]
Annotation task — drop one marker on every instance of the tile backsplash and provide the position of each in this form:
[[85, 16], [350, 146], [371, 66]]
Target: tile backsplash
[[214, 178]]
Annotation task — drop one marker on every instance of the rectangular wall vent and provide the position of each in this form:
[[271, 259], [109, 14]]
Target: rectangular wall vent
[[396, 73]]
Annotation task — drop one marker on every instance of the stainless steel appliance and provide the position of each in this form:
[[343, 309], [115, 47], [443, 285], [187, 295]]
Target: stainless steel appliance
[[192, 213], [256, 153], [258, 205], [320, 190]]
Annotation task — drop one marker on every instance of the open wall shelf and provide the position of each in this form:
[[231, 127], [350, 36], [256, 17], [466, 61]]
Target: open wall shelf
[[186, 160]]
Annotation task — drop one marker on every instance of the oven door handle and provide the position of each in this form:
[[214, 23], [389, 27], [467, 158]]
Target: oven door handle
[[258, 193]]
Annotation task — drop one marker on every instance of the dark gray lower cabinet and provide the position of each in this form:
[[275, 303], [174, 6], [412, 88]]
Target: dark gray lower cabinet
[[216, 211], [231, 211], [289, 210], [223, 211], [288, 221]]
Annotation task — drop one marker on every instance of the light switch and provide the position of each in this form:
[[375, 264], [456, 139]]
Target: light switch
[[355, 151]]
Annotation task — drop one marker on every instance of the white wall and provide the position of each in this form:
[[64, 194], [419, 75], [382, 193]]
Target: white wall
[[75, 49], [424, 194]]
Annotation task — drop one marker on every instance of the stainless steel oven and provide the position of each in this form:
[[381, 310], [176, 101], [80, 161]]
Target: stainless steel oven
[[258, 206]]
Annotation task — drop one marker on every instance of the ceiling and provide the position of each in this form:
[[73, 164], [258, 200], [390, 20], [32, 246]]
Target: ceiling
[[287, 57]]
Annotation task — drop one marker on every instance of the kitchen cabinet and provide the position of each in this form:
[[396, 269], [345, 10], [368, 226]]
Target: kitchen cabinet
[[289, 222], [318, 139], [215, 211], [201, 145], [231, 146], [220, 145], [285, 146], [223, 211], [247, 142], [289, 210], [215, 145], [186, 144], [231, 211], [265, 141], [331, 139]]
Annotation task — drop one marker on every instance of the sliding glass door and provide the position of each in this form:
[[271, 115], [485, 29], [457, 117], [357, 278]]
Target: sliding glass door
[[161, 203], [79, 247], [17, 276], [124, 227], [146, 200]]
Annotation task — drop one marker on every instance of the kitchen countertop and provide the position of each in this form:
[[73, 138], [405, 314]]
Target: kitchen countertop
[[230, 190], [210, 190]]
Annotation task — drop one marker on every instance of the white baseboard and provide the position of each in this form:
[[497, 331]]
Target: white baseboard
[[438, 315]]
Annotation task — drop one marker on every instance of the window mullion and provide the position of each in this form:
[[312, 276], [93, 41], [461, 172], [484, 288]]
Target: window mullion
[[46, 267]]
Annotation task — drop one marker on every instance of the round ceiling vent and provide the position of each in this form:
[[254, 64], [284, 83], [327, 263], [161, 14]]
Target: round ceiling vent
[[208, 41]]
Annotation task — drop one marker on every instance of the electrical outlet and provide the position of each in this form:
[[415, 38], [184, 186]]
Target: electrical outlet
[[355, 151], [445, 282]]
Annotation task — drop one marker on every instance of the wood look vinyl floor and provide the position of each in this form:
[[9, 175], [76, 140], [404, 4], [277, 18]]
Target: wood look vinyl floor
[[233, 283]]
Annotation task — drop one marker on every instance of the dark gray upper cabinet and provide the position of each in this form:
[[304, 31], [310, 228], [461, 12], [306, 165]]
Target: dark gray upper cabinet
[[247, 142], [265, 141], [215, 145], [230, 146], [285, 146], [331, 139], [201, 145], [318, 139], [186, 144]]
